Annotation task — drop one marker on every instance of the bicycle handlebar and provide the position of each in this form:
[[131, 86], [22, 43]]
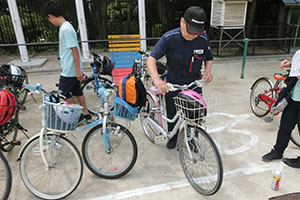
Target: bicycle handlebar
[[174, 87], [38, 87]]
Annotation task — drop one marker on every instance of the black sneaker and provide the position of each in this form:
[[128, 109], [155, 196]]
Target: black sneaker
[[272, 155], [292, 162], [84, 119], [172, 142]]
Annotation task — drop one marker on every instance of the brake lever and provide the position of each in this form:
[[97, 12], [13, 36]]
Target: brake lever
[[31, 94]]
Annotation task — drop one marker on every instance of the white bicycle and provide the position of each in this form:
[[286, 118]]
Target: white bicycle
[[50, 165], [198, 153]]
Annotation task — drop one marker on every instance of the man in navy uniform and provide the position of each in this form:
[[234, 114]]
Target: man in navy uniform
[[185, 48]]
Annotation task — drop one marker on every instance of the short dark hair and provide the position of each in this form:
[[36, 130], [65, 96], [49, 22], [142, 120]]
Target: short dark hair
[[51, 8]]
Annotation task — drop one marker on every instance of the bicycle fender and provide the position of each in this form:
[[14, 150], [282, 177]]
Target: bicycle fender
[[94, 123], [23, 147], [28, 141], [267, 79]]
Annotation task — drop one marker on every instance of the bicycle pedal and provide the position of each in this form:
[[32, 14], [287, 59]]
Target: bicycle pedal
[[160, 140], [15, 142], [268, 119]]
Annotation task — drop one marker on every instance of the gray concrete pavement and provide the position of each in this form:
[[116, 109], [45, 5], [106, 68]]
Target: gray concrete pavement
[[241, 137]]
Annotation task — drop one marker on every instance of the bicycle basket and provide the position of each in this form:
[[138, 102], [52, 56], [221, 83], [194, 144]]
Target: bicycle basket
[[61, 116], [13, 74], [123, 110], [196, 109]]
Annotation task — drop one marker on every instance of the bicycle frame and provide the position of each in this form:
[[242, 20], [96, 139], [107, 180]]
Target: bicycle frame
[[103, 121], [161, 126], [41, 134], [265, 97]]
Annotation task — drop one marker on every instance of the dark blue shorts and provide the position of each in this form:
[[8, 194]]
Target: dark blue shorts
[[70, 86]]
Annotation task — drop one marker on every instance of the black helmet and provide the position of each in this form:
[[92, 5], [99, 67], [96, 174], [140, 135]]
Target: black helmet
[[104, 65]]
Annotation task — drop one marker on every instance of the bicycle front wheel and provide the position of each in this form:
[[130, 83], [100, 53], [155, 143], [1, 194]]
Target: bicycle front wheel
[[262, 88], [203, 167], [114, 160], [90, 92], [149, 110], [295, 137], [64, 171], [5, 178]]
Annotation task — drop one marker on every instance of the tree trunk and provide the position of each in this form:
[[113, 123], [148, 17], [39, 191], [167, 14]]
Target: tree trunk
[[102, 29], [250, 17], [89, 20]]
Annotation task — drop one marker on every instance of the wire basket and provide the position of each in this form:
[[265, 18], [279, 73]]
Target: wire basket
[[13, 75], [123, 110], [61, 117], [195, 112]]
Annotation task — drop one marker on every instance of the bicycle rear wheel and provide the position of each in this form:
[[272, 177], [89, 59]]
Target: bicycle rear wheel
[[148, 111], [295, 137], [65, 169], [204, 169], [90, 92], [120, 157], [5, 178], [262, 86]]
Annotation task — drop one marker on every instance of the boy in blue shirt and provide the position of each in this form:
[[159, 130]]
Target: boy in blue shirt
[[71, 66]]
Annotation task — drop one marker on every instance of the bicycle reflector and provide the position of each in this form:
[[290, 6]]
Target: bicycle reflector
[[8, 106]]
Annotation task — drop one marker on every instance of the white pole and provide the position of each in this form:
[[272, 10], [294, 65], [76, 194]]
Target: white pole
[[142, 22], [15, 18], [82, 29]]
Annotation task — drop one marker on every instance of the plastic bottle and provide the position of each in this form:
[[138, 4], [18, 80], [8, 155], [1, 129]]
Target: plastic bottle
[[277, 174]]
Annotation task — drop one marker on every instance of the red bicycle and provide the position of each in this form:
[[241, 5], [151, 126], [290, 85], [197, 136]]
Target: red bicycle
[[264, 94]]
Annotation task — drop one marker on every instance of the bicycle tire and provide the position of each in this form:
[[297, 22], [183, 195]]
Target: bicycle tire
[[206, 164], [90, 92], [5, 178], [58, 181], [295, 137], [148, 111], [121, 157], [21, 93], [6, 145], [261, 86]]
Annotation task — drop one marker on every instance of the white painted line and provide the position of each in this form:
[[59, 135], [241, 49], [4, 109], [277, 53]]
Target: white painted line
[[180, 184], [233, 121]]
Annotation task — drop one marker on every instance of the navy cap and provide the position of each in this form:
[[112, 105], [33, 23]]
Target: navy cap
[[195, 18]]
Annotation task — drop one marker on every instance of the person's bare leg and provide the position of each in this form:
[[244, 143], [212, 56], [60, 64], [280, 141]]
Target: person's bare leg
[[70, 100], [82, 102]]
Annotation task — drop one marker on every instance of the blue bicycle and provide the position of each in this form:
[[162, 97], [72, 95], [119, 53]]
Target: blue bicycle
[[109, 149], [102, 70]]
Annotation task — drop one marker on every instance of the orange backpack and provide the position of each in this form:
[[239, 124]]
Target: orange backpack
[[132, 90]]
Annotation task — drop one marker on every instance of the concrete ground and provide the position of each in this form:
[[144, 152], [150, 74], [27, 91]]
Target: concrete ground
[[242, 139]]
